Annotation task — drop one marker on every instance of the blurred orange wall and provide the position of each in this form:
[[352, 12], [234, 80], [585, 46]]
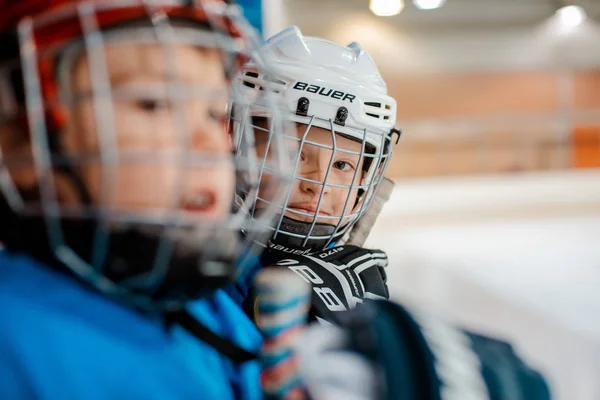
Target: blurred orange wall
[[505, 96]]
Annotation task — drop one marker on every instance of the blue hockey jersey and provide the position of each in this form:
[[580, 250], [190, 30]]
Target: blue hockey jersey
[[61, 340]]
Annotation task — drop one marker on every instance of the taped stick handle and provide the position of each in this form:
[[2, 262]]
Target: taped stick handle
[[360, 231]]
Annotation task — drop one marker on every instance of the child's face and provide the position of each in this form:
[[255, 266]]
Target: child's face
[[162, 113], [313, 165]]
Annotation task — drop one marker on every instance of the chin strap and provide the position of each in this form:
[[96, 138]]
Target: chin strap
[[224, 346], [288, 225]]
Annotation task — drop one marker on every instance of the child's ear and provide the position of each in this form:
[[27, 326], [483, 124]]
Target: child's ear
[[15, 144], [13, 135]]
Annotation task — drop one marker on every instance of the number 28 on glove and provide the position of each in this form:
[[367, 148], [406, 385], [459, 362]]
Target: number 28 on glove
[[341, 276]]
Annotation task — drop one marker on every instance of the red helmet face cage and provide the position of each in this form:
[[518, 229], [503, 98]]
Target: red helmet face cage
[[46, 26], [172, 247]]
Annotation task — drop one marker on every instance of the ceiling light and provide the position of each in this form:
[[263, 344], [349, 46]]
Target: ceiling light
[[386, 8], [571, 16], [428, 4]]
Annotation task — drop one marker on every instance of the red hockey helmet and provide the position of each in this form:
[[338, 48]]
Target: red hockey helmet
[[162, 258]]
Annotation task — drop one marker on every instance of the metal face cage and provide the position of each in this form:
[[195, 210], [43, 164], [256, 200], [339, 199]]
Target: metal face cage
[[334, 176], [156, 255]]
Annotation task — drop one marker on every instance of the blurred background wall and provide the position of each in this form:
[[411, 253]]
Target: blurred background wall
[[495, 219]]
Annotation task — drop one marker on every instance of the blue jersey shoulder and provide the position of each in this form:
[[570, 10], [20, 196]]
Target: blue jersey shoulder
[[60, 340], [248, 267]]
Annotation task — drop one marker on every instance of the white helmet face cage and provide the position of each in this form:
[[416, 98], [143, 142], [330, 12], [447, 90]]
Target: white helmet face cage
[[181, 254], [342, 143], [334, 176]]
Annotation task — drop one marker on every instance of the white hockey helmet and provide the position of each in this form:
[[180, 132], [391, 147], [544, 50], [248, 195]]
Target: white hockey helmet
[[338, 88]]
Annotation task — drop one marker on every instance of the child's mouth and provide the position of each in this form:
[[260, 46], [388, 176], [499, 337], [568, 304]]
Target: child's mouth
[[199, 203], [310, 211]]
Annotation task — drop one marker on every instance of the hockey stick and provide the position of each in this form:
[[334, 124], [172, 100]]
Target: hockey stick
[[360, 231]]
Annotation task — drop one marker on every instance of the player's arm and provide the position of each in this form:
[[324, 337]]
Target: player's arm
[[403, 355]]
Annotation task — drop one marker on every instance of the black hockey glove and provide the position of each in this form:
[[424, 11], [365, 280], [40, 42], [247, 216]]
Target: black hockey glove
[[341, 276]]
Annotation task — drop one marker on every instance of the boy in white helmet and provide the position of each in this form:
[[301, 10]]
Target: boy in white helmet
[[344, 122], [344, 132]]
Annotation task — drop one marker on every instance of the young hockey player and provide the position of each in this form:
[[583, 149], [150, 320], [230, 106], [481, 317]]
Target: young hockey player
[[117, 184], [344, 122], [381, 350]]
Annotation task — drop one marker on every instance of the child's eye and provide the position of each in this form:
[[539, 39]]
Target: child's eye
[[152, 105], [343, 166], [217, 116]]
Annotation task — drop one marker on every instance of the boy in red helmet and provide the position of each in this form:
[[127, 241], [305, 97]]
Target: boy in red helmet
[[117, 183]]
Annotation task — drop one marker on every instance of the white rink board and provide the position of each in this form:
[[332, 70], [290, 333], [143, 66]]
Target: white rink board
[[514, 256]]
